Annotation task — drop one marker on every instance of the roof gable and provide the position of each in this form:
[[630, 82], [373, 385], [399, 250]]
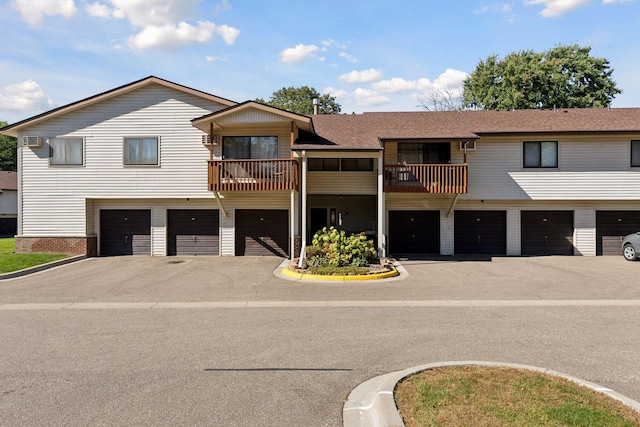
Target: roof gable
[[250, 113], [12, 130]]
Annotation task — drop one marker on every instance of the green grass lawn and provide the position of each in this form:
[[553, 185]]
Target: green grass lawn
[[477, 396], [11, 261]]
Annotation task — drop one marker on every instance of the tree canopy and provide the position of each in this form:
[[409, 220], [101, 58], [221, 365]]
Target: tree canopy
[[8, 151], [562, 77], [300, 100]]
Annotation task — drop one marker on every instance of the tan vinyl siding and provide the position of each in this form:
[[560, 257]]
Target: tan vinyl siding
[[513, 231], [8, 202], [585, 231], [232, 201], [348, 183], [54, 197], [590, 168], [253, 116]]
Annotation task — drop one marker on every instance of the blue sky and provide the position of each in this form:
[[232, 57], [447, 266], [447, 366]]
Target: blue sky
[[371, 55]]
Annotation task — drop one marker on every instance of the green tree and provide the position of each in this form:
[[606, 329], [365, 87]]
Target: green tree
[[564, 77], [8, 151], [300, 100]]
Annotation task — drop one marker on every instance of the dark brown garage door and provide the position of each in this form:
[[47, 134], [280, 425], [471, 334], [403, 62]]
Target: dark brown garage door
[[193, 232], [611, 227], [8, 226], [546, 232], [414, 232], [262, 232], [125, 232], [480, 232]]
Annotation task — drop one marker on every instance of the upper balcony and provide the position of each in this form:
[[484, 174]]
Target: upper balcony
[[426, 178], [253, 175]]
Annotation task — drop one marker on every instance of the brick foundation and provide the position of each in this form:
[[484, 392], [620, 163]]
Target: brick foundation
[[58, 245]]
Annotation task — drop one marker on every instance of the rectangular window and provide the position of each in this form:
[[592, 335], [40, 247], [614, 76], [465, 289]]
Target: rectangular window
[[67, 151], [418, 153], [356, 165], [250, 147], [635, 153], [540, 154], [141, 151], [335, 165]]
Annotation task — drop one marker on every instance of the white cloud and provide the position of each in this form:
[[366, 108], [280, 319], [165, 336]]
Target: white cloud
[[451, 79], [143, 13], [210, 58], [398, 84], [364, 76], [32, 11], [298, 53], [163, 23], [98, 10], [24, 97], [337, 93], [557, 8], [222, 7], [172, 36], [229, 34], [368, 97], [347, 57]]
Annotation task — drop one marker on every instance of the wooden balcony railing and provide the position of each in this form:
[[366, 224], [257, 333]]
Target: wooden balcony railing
[[253, 175], [435, 179]]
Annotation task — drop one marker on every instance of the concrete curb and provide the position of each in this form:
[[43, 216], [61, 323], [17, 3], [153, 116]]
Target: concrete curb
[[283, 272], [371, 404], [42, 267]]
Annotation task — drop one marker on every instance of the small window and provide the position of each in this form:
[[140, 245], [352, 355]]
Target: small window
[[67, 151], [635, 153], [540, 154], [335, 165], [356, 164], [324, 164], [141, 151]]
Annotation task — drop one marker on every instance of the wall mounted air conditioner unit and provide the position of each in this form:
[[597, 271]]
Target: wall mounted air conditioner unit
[[208, 139], [471, 145], [32, 141]]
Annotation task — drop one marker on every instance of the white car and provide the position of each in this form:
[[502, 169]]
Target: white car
[[631, 246]]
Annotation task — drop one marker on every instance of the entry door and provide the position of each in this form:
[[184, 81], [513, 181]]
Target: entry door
[[317, 220], [546, 232], [125, 232], [262, 232]]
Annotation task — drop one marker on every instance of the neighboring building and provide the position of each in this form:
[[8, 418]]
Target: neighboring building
[[157, 168], [8, 203]]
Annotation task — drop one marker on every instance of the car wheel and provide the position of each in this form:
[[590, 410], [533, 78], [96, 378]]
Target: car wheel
[[629, 253]]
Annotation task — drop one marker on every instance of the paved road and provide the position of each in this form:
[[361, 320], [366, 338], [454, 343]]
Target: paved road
[[291, 364]]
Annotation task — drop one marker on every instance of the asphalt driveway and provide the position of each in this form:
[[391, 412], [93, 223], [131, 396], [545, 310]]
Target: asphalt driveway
[[152, 279], [235, 345]]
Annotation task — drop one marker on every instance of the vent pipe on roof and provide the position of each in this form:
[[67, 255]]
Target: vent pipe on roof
[[316, 107]]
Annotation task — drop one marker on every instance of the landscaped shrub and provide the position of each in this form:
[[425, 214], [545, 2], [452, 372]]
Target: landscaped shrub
[[336, 249]]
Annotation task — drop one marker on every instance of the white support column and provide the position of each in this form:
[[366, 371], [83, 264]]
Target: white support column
[[303, 214], [381, 208], [292, 225]]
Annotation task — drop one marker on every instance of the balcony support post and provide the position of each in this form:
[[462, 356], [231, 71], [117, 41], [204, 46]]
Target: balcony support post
[[453, 204], [219, 200]]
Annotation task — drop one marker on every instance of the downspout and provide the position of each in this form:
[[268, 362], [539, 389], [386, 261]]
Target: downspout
[[303, 194], [381, 207]]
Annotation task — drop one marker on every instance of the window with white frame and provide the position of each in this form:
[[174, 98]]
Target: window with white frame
[[140, 151], [540, 154], [635, 153], [66, 151]]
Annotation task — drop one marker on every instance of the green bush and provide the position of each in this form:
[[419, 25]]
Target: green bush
[[341, 250]]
